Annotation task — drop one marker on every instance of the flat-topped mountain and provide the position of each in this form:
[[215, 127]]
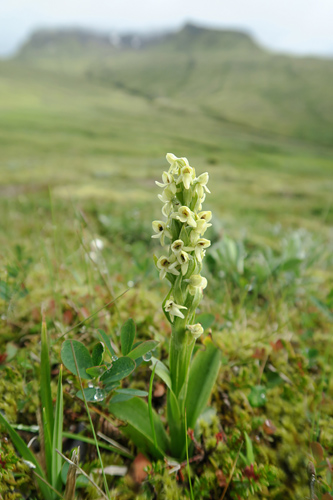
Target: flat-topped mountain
[[223, 73]]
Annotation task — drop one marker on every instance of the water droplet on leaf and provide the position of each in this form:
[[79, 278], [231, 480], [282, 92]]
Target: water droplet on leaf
[[147, 356], [114, 358], [99, 395]]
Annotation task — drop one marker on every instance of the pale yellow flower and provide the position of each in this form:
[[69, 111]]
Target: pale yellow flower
[[201, 184], [196, 330], [184, 214], [200, 245], [187, 175], [177, 246], [183, 259], [167, 179], [168, 193], [162, 230], [167, 265], [196, 281], [174, 309]]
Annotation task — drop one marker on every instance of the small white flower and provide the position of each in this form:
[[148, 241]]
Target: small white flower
[[177, 246], [184, 214], [205, 215], [203, 219], [196, 281], [167, 209], [161, 229], [174, 309], [201, 185], [167, 265], [183, 259], [196, 330], [168, 193], [176, 163], [167, 179], [200, 245], [198, 205], [187, 175]]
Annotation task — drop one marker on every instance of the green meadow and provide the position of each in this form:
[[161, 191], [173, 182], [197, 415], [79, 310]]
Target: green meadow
[[84, 130]]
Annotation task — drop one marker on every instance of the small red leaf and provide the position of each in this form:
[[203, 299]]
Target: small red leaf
[[221, 479]]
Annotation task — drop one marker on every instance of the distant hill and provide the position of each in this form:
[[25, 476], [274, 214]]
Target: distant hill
[[224, 74]]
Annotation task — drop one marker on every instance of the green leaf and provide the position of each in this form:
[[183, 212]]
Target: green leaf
[[138, 429], [206, 320], [111, 386], [174, 419], [133, 392], [119, 398], [150, 407], [162, 371], [126, 394], [26, 454], [127, 336], [57, 436], [97, 354], [257, 396], [82, 355], [119, 370], [203, 373], [142, 349], [48, 436], [249, 449], [107, 342]]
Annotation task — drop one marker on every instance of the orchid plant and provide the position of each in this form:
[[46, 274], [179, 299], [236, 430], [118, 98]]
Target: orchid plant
[[189, 377]]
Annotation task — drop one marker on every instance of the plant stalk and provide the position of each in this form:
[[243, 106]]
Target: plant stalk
[[181, 348]]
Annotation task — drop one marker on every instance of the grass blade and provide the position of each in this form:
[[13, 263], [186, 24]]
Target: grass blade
[[91, 424], [47, 444], [85, 439], [45, 380], [57, 436]]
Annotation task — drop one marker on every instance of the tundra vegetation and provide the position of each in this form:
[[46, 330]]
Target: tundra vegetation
[[83, 139]]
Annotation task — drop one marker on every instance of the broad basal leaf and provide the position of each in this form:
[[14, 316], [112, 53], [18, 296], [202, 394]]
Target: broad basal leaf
[[203, 374], [83, 358], [135, 413]]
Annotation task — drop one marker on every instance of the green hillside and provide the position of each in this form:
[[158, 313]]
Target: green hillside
[[222, 74], [87, 111]]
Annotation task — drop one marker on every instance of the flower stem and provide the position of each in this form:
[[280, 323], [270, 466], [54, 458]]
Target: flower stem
[[181, 348]]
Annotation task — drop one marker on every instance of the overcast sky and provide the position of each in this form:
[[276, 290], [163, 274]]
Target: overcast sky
[[298, 26]]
